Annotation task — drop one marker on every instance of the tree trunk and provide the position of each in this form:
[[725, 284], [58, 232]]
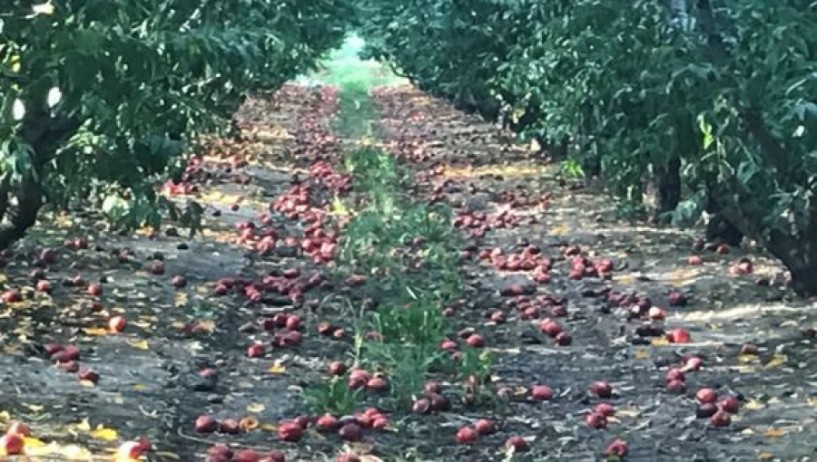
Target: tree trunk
[[800, 258], [667, 189], [45, 135]]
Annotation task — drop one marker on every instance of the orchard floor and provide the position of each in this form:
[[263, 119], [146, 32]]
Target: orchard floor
[[150, 383]]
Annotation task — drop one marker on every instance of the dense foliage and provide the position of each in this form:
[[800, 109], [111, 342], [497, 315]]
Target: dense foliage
[[707, 105], [100, 99]]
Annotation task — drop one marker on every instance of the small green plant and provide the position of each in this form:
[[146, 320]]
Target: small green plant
[[407, 367], [333, 396]]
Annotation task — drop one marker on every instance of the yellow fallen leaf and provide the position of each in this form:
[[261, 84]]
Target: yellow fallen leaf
[[104, 434], [139, 387], [747, 358], [659, 341], [811, 401], [248, 423], [776, 360], [256, 408], [745, 369], [642, 353], [764, 456], [774, 432], [625, 279], [753, 405], [560, 230], [3, 278], [83, 426], [87, 383], [96, 331], [30, 443], [180, 299], [267, 427], [520, 391], [141, 345], [277, 368]]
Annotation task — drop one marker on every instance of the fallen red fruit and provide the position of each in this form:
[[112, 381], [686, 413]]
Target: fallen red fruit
[[475, 341], [274, 456], [88, 374], [380, 423], [12, 444], [678, 336], [541, 392], [720, 419], [595, 420], [448, 345], [676, 386], [605, 409], [326, 422], [117, 324], [206, 424], [693, 363], [66, 353], [256, 350], [229, 427], [484, 427], [705, 411], [421, 406], [290, 431], [12, 296], [695, 260], [48, 256], [563, 339], [246, 455], [517, 444], [178, 282], [675, 374], [337, 368], [617, 448], [729, 404], [602, 389], [18, 428], [433, 387], [376, 384], [706, 395], [550, 328], [220, 451], [44, 285], [466, 435], [133, 450], [94, 289], [351, 432], [656, 314]]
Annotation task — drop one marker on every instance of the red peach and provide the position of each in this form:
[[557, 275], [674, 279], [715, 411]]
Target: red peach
[[605, 409], [675, 374], [12, 444], [616, 448], [466, 435], [94, 289], [720, 419], [351, 432], [678, 336], [602, 389], [206, 424], [484, 427], [541, 393], [706, 395], [256, 350], [88, 374], [117, 324], [676, 386], [337, 368], [326, 422], [594, 420], [517, 444], [475, 341], [290, 431], [729, 404], [246, 455]]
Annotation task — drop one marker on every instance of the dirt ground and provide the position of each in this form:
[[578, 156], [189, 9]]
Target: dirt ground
[[754, 339]]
